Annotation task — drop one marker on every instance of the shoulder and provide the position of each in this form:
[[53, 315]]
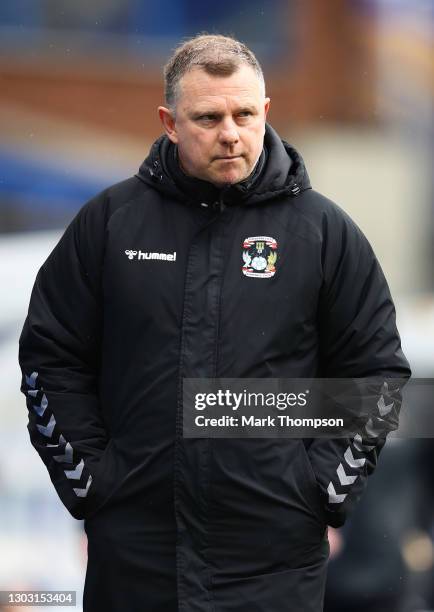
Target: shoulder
[[321, 212], [327, 219], [337, 233], [86, 232], [104, 204]]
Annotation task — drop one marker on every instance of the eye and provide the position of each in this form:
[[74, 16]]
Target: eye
[[207, 118], [245, 113]]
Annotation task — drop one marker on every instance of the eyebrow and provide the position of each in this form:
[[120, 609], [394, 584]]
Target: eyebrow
[[199, 113]]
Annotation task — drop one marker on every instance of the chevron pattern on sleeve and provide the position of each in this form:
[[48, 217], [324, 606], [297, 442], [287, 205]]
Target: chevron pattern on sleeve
[[60, 449], [363, 444]]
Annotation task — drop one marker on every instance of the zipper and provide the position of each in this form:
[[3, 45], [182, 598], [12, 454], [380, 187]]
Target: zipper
[[220, 205]]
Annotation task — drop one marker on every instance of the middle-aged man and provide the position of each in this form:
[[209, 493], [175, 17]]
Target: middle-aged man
[[216, 260]]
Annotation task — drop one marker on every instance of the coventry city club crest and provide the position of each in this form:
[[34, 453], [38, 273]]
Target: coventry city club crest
[[259, 256]]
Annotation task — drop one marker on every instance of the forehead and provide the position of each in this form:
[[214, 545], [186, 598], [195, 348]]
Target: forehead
[[198, 88]]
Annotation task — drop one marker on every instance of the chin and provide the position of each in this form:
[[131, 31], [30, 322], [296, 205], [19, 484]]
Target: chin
[[222, 182], [229, 179], [229, 175]]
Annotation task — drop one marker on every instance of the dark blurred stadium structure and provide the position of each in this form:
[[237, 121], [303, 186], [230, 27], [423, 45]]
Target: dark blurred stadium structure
[[351, 83]]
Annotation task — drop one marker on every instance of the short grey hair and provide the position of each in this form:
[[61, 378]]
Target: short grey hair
[[215, 54]]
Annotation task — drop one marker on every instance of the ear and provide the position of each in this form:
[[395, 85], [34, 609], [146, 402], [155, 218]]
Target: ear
[[266, 107], [168, 122]]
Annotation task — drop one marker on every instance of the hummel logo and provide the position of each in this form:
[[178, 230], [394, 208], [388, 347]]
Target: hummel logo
[[145, 255]]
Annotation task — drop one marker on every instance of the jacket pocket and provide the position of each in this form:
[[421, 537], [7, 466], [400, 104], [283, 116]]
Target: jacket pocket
[[311, 486], [295, 590], [105, 477]]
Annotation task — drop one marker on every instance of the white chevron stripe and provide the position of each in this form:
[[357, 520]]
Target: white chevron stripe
[[385, 388], [41, 409], [372, 431], [354, 463], [33, 392], [47, 430], [76, 473], [83, 492], [61, 442], [31, 380], [358, 444], [383, 408], [344, 479], [67, 457], [334, 498]]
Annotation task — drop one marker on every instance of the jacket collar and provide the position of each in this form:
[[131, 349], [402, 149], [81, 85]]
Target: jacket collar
[[280, 171]]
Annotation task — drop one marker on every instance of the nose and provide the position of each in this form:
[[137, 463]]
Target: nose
[[228, 134]]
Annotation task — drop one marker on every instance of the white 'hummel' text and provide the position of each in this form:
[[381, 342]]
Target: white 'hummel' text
[[145, 255]]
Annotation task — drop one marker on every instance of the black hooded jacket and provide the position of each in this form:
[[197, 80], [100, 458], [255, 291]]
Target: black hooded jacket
[[148, 286]]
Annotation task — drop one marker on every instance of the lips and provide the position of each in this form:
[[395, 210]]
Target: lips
[[228, 157]]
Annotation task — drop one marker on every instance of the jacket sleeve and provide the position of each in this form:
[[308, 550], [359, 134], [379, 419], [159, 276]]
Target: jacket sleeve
[[59, 356], [358, 339]]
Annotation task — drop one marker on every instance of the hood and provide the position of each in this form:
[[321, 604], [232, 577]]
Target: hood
[[282, 173]]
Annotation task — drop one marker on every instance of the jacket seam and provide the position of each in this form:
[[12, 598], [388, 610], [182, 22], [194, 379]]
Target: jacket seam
[[177, 447]]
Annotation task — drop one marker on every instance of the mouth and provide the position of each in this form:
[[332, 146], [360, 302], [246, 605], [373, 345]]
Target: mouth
[[227, 157]]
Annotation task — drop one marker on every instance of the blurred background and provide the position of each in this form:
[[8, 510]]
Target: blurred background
[[351, 84]]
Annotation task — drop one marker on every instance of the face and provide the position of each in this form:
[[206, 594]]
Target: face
[[219, 124]]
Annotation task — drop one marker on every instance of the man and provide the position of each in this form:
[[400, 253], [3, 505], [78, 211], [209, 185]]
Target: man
[[216, 260]]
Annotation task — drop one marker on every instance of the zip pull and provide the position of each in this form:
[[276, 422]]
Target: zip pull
[[219, 205]]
